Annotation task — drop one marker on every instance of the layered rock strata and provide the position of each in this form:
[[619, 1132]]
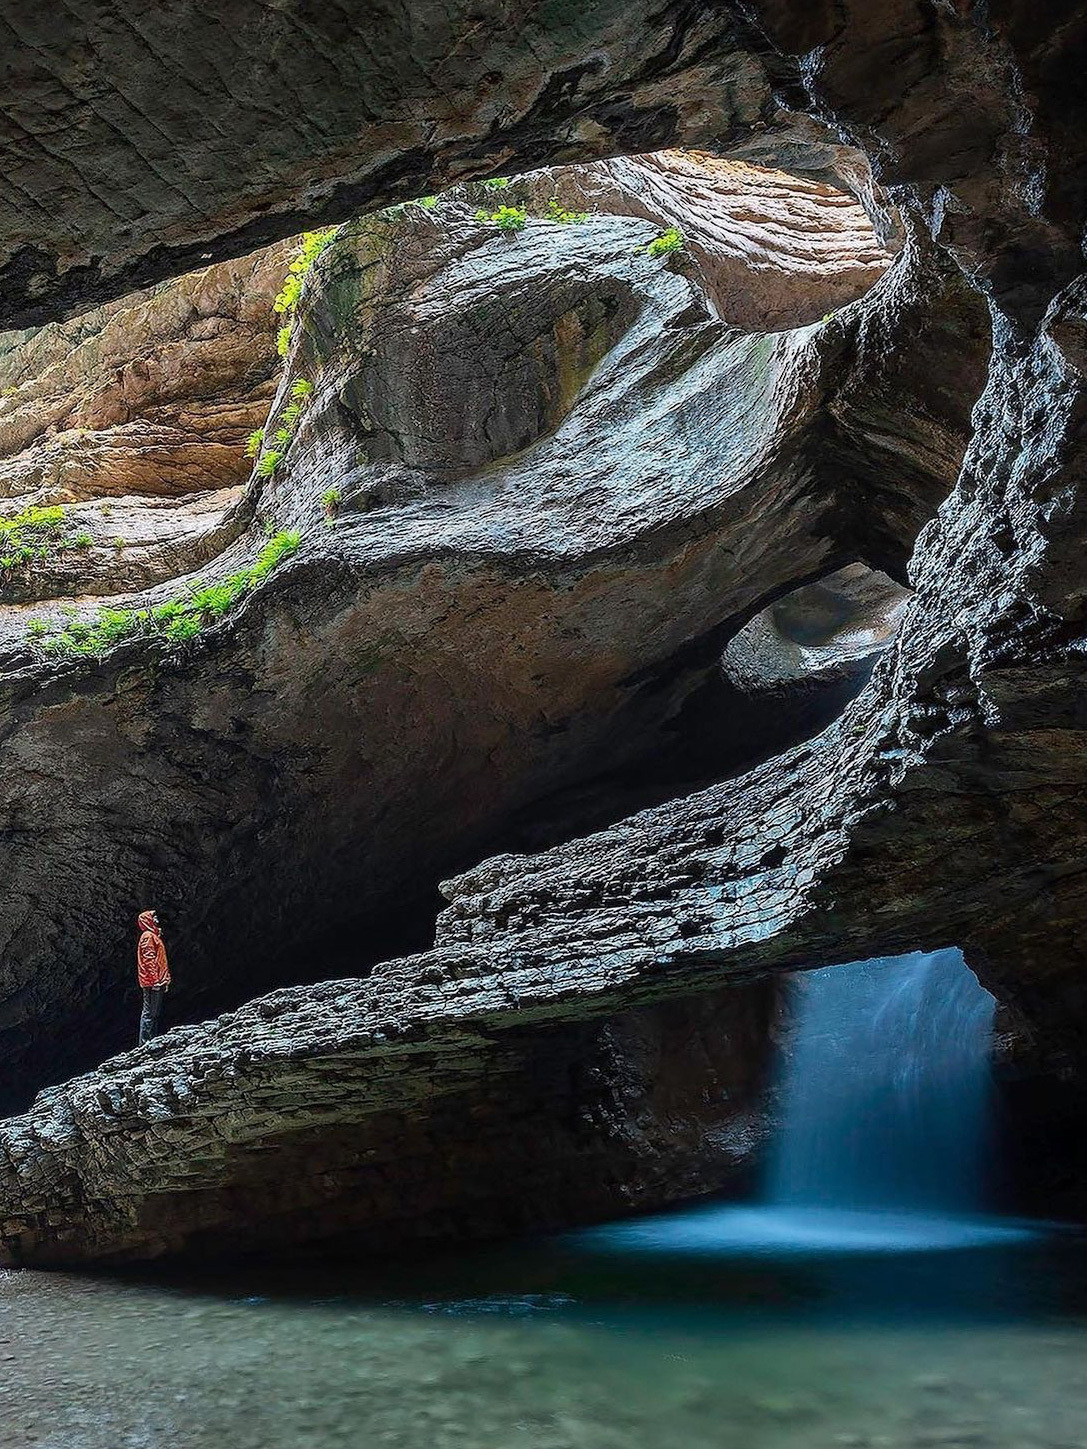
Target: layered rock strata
[[561, 483], [132, 421], [427, 1128], [946, 807]]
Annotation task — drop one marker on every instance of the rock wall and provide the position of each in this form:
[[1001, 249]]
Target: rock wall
[[133, 419], [945, 807], [562, 481], [570, 1122]]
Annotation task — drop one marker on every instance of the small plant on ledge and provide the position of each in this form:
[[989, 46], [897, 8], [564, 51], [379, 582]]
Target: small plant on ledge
[[671, 240], [331, 499], [508, 219], [557, 212]]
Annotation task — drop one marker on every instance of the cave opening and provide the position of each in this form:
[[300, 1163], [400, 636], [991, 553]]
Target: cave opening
[[775, 679]]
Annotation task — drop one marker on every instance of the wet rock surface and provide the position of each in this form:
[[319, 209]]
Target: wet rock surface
[[635, 479], [566, 592]]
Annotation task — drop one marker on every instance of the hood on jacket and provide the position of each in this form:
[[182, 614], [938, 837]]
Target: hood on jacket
[[146, 922]]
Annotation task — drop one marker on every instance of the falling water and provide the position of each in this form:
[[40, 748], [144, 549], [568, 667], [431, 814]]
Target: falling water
[[886, 1088], [884, 1123]]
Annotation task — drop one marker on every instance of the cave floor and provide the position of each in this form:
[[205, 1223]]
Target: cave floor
[[568, 1343]]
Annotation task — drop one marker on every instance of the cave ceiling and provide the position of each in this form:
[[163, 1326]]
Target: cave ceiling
[[512, 612]]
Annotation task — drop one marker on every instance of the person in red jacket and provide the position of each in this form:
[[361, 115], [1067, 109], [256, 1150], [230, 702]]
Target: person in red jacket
[[152, 972]]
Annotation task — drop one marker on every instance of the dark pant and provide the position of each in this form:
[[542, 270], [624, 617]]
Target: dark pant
[[152, 1010]]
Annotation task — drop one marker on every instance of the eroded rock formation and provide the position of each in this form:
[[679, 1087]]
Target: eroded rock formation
[[561, 483], [133, 419], [945, 807]]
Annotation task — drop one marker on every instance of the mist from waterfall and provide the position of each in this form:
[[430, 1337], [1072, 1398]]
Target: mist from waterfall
[[886, 1088]]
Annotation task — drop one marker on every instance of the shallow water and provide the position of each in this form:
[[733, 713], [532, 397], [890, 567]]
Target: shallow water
[[696, 1330]]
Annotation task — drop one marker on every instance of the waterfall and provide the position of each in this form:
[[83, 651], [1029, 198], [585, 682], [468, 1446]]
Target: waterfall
[[884, 1122], [886, 1088]]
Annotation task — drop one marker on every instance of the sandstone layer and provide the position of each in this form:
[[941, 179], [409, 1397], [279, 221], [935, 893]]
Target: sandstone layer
[[133, 419]]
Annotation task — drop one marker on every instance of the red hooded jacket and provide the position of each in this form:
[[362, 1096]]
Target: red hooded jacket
[[152, 968]]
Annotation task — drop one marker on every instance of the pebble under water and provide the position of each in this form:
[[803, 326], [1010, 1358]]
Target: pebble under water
[[589, 1342]]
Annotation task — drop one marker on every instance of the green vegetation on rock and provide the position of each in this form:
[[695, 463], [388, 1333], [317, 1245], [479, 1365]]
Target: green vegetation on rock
[[671, 240], [269, 459], [313, 243], [557, 212], [508, 219], [35, 534], [175, 620]]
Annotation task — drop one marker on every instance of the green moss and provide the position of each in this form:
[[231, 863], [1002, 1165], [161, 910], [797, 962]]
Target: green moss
[[175, 620], [508, 219], [671, 240]]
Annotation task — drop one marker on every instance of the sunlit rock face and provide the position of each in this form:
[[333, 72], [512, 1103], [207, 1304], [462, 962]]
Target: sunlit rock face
[[777, 251], [133, 419]]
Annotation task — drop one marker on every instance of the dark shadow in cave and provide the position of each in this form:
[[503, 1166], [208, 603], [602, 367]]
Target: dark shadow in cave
[[782, 677]]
